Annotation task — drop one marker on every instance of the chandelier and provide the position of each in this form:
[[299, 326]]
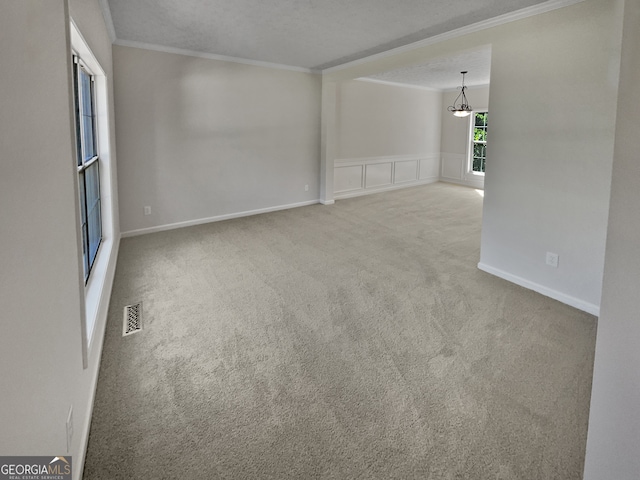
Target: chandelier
[[462, 109]]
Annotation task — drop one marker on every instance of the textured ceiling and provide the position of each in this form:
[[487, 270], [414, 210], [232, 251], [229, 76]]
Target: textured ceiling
[[444, 73], [315, 34]]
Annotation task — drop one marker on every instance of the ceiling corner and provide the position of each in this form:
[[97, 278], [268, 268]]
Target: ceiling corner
[[106, 13]]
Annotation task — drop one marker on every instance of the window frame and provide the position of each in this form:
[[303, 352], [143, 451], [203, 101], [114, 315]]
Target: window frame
[[84, 163], [471, 142], [95, 299]]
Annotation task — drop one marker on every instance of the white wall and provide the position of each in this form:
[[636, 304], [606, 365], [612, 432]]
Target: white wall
[[387, 136], [455, 138], [201, 139], [41, 285], [614, 423]]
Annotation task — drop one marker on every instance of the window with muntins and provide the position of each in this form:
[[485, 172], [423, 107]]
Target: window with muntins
[[479, 142], [88, 164]]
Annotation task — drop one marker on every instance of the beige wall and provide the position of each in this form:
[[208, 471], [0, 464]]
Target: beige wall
[[41, 285], [386, 137], [614, 424], [376, 120], [553, 105], [200, 138], [40, 343]]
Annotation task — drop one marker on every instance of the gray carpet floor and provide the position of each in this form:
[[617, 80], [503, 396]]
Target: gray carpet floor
[[353, 341]]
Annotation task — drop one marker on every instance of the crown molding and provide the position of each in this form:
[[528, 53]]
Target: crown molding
[[476, 27], [108, 20], [211, 56], [106, 13]]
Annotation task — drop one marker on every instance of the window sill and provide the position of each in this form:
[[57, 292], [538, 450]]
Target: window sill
[[95, 288]]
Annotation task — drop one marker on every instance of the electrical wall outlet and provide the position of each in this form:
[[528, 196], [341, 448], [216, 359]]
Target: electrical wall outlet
[[147, 210], [552, 259], [306, 188], [69, 429]]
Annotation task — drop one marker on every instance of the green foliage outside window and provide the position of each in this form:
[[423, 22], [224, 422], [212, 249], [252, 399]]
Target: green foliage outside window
[[480, 141]]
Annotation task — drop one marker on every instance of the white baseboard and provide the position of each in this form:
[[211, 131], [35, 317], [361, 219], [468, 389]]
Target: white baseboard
[[327, 202], [369, 191], [217, 218], [464, 183], [546, 291]]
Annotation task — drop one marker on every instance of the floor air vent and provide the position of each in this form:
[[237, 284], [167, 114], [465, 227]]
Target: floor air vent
[[132, 319]]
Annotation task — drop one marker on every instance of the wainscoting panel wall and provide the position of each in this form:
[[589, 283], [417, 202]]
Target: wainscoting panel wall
[[429, 168], [406, 171], [454, 170], [348, 178], [361, 176], [378, 175]]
